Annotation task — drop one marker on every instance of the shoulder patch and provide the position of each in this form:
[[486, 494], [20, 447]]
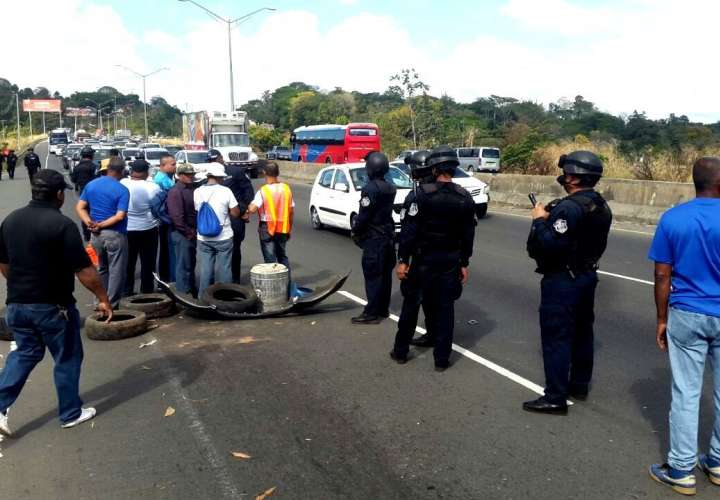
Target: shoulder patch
[[413, 210], [560, 226], [365, 202]]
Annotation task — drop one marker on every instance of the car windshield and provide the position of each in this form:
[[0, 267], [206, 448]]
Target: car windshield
[[197, 157], [282, 148], [224, 140], [101, 154], [491, 153], [395, 176], [130, 153], [460, 173], [154, 155]]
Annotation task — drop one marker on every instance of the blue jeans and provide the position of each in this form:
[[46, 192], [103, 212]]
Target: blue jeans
[[215, 262], [35, 327], [273, 247], [185, 259], [692, 338]]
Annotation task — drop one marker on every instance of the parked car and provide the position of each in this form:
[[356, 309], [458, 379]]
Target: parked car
[[480, 159], [196, 157], [279, 153], [130, 155], [152, 156], [335, 195], [68, 153]]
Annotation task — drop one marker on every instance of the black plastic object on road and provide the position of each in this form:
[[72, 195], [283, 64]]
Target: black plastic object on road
[[231, 297], [125, 324], [154, 305]]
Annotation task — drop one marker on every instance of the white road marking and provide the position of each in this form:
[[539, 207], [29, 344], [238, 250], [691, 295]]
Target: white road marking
[[629, 278], [469, 354], [613, 228]]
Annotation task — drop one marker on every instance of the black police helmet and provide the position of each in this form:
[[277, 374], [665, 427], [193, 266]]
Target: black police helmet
[[443, 158], [87, 152], [581, 163], [418, 164], [213, 155], [377, 165]]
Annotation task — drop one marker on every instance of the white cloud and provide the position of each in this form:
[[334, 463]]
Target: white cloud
[[653, 55]]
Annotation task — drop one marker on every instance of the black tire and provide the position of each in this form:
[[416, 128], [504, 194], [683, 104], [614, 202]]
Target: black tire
[[481, 210], [154, 305], [352, 220], [125, 324], [230, 297], [315, 219], [5, 332]]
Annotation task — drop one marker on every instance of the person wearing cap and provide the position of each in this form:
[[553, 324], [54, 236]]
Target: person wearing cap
[[215, 252], [103, 208], [181, 208], [165, 178], [142, 229], [40, 262]]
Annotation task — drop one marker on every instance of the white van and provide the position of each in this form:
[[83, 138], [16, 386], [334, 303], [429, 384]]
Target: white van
[[479, 159]]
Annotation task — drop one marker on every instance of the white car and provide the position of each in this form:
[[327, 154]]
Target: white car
[[479, 190], [335, 196], [197, 158], [153, 156]]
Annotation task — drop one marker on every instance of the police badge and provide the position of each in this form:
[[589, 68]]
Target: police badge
[[365, 202], [560, 226], [413, 210]]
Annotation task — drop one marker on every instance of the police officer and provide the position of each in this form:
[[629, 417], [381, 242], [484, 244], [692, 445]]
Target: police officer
[[436, 243], [374, 231], [85, 170], [567, 239], [11, 162], [32, 163], [239, 183]]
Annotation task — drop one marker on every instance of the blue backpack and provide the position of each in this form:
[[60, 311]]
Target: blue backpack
[[208, 223]]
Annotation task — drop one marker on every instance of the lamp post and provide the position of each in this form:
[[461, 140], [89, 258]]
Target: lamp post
[[144, 93], [98, 109], [230, 22]]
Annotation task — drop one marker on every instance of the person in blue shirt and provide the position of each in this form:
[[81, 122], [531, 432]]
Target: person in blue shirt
[[165, 178], [686, 252], [103, 208]]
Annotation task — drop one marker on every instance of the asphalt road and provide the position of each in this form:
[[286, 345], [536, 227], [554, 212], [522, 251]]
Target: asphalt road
[[324, 413]]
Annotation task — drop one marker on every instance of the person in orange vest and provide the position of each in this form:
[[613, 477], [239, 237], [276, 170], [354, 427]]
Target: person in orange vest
[[275, 206]]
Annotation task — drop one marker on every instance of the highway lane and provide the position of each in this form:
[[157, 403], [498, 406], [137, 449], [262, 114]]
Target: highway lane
[[330, 416]]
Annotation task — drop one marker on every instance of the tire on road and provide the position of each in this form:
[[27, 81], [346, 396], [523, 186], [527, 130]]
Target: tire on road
[[125, 324], [5, 332], [230, 297], [481, 210], [154, 305]]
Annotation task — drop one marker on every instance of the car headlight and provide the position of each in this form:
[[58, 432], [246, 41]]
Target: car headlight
[[486, 189]]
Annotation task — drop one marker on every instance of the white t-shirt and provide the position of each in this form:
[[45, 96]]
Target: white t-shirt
[[258, 200], [142, 192], [221, 200]]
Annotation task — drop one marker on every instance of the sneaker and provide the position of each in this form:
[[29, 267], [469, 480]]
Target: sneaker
[[710, 467], [85, 415], [4, 426], [681, 481]]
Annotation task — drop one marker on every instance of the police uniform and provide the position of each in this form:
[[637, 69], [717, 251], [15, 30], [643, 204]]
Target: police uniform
[[239, 183], [374, 230], [436, 241], [567, 247], [32, 163]]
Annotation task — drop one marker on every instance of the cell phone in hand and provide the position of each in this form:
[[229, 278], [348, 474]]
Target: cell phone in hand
[[533, 199]]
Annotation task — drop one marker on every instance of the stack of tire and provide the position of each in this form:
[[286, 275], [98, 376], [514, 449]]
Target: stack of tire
[[131, 319]]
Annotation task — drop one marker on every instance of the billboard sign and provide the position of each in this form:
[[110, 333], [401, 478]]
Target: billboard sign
[[46, 105], [72, 112]]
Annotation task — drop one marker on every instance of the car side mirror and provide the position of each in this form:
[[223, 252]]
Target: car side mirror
[[341, 186]]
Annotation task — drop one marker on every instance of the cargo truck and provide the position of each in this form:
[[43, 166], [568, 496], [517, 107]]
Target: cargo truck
[[225, 131]]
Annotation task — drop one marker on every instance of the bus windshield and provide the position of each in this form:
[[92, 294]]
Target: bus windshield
[[58, 139], [224, 140]]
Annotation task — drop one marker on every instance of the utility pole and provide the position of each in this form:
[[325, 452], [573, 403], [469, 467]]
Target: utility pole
[[43, 116], [144, 77], [17, 115]]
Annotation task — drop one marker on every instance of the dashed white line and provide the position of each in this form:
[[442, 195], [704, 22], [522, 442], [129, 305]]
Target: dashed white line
[[504, 372]]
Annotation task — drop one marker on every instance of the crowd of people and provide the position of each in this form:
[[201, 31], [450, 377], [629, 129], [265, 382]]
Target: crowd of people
[[9, 159]]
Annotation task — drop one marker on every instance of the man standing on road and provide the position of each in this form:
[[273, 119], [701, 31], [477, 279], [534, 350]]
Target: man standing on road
[[181, 208], [374, 231], [40, 262], [114, 153], [142, 227], [567, 240], [165, 178], [103, 208], [436, 243], [11, 163], [32, 163], [686, 252], [215, 252], [275, 205], [85, 171], [242, 188]]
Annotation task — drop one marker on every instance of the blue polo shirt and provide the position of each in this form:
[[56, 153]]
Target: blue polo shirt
[[688, 238], [106, 197]]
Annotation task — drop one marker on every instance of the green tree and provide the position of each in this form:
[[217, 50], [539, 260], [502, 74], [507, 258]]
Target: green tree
[[408, 86]]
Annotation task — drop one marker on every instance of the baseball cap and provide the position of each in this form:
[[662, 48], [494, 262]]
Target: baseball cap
[[50, 180], [140, 166], [216, 170], [185, 168]]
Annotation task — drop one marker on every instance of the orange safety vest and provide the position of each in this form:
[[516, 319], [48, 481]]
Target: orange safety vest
[[276, 208]]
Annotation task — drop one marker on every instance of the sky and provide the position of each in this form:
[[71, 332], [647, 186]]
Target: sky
[[654, 56]]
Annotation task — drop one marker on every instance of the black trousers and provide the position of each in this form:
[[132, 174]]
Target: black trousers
[[143, 244], [31, 173], [566, 328], [165, 261], [437, 289], [238, 229], [378, 261], [11, 170]]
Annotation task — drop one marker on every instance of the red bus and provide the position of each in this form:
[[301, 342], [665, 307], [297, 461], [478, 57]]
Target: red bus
[[335, 143]]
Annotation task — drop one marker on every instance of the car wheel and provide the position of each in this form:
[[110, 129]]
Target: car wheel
[[315, 219], [352, 220], [125, 324], [481, 210], [154, 305]]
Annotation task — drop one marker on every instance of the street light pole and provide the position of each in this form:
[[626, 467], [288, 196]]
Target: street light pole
[[230, 23], [17, 116], [144, 92]]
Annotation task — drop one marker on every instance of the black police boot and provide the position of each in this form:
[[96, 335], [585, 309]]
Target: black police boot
[[366, 320], [441, 366], [401, 360], [542, 405], [423, 341], [579, 392]]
